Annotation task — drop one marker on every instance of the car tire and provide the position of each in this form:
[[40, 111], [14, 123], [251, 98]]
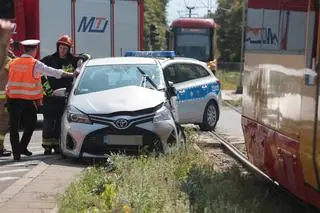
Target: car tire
[[210, 117]]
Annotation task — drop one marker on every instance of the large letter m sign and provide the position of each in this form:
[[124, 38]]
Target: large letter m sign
[[93, 24]]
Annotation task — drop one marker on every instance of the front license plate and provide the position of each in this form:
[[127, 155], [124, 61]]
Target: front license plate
[[123, 140]]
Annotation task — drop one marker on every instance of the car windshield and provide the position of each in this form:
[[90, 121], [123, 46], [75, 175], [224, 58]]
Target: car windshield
[[105, 77]]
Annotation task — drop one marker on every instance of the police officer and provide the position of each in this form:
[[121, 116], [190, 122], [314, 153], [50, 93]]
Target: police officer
[[3, 111], [53, 107], [23, 90]]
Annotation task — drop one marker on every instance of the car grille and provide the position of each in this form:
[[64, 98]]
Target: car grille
[[93, 143], [102, 119]]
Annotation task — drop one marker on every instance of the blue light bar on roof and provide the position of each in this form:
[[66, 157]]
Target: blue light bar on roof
[[164, 54]]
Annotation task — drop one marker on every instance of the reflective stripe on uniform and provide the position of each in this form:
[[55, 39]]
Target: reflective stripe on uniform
[[23, 84], [24, 92], [50, 141], [2, 94], [2, 136], [47, 88]]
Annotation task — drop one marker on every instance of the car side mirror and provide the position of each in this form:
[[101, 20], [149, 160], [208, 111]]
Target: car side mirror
[[172, 91], [62, 92]]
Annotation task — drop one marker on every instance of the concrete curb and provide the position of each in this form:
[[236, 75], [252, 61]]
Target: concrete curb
[[15, 188]]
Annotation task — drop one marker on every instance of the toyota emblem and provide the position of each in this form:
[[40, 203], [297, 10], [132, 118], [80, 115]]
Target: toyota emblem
[[121, 123]]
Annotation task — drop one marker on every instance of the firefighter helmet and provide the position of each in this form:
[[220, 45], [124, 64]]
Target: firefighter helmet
[[66, 40]]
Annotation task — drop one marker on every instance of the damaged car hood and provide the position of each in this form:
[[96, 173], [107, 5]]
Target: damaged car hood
[[129, 98]]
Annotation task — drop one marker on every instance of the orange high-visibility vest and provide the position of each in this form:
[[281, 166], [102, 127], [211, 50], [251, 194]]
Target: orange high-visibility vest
[[21, 82]]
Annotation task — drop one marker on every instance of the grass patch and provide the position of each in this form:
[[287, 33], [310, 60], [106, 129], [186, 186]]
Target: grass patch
[[179, 182], [229, 80]]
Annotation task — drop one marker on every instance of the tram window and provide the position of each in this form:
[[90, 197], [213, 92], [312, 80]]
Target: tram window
[[6, 9]]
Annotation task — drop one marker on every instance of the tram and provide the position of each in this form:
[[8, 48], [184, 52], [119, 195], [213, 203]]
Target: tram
[[193, 38], [281, 110]]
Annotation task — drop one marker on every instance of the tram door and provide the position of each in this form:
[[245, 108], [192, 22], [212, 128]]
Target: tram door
[[316, 143], [309, 106]]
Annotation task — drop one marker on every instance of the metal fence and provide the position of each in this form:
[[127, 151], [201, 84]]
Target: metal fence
[[229, 75]]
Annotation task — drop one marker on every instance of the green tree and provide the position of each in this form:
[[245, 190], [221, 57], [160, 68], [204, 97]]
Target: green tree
[[228, 17], [154, 13]]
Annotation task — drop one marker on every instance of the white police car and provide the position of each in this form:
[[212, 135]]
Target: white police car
[[198, 90], [119, 104]]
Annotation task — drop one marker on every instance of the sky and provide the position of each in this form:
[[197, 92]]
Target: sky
[[177, 8]]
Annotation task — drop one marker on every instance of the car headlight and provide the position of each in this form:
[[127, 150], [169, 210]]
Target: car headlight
[[162, 114], [76, 116]]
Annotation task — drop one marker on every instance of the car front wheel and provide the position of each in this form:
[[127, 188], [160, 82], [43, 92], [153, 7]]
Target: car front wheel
[[210, 117]]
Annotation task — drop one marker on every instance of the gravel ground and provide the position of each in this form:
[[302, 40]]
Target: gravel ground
[[220, 156]]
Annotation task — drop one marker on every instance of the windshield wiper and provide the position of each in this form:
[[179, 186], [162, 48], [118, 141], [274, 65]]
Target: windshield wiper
[[146, 77]]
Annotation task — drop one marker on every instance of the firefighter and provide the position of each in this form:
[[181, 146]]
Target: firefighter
[[53, 107], [23, 91], [3, 111]]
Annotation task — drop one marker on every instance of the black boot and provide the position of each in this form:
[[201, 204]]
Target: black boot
[[56, 150], [16, 157], [26, 152], [4, 153], [47, 151]]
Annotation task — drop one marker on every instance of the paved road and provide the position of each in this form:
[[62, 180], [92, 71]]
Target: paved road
[[11, 170], [229, 126], [229, 122]]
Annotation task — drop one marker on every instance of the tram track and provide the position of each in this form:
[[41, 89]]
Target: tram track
[[239, 155]]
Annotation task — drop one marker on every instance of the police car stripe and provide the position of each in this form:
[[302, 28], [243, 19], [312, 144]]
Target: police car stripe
[[198, 92]]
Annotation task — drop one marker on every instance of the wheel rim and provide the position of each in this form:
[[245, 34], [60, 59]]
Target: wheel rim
[[211, 115]]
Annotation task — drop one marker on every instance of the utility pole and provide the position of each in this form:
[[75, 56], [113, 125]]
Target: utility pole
[[209, 7], [190, 9], [240, 87]]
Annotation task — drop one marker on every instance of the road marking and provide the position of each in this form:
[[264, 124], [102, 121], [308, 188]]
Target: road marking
[[8, 178], [25, 164], [25, 160], [13, 171]]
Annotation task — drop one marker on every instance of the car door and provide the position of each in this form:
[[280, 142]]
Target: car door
[[191, 90]]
